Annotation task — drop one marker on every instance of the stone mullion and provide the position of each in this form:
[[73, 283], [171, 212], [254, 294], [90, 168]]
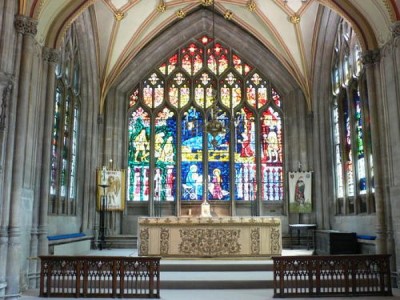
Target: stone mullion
[[26, 29], [371, 60], [153, 206]]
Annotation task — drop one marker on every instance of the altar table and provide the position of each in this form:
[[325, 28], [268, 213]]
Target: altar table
[[209, 237]]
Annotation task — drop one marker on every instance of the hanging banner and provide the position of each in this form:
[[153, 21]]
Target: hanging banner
[[110, 189], [300, 192]]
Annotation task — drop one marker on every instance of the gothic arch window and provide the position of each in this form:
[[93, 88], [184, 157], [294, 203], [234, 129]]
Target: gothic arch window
[[172, 156], [351, 129], [64, 148]]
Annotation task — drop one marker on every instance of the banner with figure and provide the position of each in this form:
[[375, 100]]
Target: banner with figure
[[300, 191], [110, 189]]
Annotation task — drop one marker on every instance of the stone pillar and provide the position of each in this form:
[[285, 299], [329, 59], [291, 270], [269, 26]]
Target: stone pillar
[[5, 103], [371, 60], [394, 244], [50, 59], [27, 28]]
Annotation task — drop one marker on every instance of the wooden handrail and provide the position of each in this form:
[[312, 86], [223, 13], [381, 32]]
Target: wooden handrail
[[332, 275], [100, 276]]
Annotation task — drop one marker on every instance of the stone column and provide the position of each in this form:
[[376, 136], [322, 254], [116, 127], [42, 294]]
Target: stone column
[[4, 116], [50, 59], [394, 229], [27, 28], [371, 60]]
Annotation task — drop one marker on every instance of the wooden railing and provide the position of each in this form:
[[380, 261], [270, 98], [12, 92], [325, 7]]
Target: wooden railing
[[334, 275], [100, 276]]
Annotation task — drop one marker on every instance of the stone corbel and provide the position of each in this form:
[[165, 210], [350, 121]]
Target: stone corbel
[[395, 29], [51, 55], [371, 57]]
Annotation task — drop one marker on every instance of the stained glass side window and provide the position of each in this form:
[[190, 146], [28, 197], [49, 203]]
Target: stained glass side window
[[153, 91], [218, 161], [192, 128], [338, 151], [245, 155], [257, 94], [192, 58], [351, 131], [55, 141], [165, 156], [178, 90], [139, 155], [358, 125], [204, 87], [348, 151], [230, 90], [65, 131], [202, 79], [271, 155]]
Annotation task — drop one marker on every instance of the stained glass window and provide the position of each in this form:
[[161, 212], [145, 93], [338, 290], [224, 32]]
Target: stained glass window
[[351, 131], [139, 155], [64, 146], [182, 160]]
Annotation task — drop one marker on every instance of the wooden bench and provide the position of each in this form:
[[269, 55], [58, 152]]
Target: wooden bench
[[332, 275], [69, 244], [367, 244], [100, 276]]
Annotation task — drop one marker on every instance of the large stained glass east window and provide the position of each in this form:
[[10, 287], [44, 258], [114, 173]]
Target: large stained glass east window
[[64, 145], [172, 156], [351, 130]]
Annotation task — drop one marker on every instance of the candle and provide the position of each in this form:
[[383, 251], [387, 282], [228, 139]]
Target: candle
[[103, 176]]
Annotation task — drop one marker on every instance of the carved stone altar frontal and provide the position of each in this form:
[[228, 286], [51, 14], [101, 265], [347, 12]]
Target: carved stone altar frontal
[[209, 237]]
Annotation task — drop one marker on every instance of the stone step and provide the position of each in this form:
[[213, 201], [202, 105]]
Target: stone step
[[216, 274], [217, 280], [216, 266], [121, 242]]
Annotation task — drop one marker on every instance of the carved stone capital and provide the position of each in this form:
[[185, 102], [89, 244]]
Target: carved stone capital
[[395, 29], [25, 25], [51, 55], [371, 57]]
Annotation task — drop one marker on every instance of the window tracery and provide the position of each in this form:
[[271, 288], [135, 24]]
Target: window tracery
[[352, 145], [64, 147], [180, 160]]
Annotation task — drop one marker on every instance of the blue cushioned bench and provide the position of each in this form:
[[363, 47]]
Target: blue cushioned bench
[[69, 244], [366, 243]]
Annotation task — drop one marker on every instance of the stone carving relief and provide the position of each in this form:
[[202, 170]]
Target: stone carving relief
[[209, 241], [164, 241], [144, 238]]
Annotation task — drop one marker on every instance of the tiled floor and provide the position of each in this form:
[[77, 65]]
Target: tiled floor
[[253, 294]]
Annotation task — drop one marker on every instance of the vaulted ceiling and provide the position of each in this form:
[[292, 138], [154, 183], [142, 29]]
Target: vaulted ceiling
[[288, 28]]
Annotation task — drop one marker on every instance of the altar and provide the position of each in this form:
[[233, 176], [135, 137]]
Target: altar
[[201, 237]]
